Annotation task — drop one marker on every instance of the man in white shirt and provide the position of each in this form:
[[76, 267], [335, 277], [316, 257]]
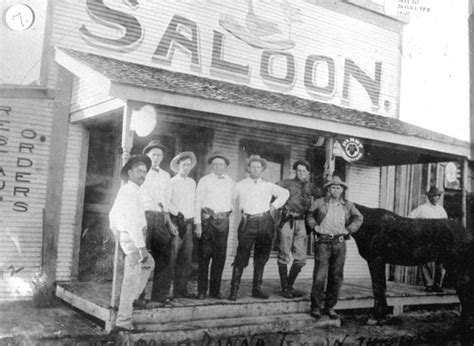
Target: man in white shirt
[[182, 194], [159, 234], [257, 225], [213, 207], [433, 273], [128, 223]]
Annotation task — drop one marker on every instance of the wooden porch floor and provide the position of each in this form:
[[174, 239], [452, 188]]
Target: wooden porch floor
[[94, 299]]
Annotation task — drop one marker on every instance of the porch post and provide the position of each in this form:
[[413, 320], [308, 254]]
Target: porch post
[[466, 189], [126, 145], [329, 164]]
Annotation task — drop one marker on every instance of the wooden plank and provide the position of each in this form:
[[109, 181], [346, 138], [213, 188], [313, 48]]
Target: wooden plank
[[57, 159], [83, 304], [80, 203]]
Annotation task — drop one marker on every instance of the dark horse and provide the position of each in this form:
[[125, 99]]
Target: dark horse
[[386, 237]]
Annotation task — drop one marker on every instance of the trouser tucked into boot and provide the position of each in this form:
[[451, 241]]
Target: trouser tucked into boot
[[235, 282], [257, 291], [294, 271], [283, 271]]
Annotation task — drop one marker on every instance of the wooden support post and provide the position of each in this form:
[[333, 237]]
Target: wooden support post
[[127, 143], [397, 310], [329, 165], [466, 189]]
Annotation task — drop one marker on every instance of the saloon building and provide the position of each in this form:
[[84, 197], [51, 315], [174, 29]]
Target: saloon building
[[316, 80]]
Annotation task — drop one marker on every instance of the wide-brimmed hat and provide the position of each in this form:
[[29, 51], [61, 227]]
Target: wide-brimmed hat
[[154, 144], [253, 158], [301, 162], [132, 161], [219, 155], [434, 191], [174, 164], [335, 181]]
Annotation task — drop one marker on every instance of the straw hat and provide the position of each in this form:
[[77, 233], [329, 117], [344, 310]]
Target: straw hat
[[219, 155], [154, 144], [253, 158], [174, 164]]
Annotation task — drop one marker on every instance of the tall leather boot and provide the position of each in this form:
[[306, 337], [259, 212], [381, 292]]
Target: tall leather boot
[[283, 271], [257, 282], [294, 271], [235, 282]]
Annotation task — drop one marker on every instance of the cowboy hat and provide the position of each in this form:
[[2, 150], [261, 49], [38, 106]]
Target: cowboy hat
[[133, 160], [253, 158], [434, 191], [218, 154], [335, 181], [174, 164], [154, 144], [303, 163]]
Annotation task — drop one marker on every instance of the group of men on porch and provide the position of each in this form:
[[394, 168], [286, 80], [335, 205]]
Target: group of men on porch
[[154, 217]]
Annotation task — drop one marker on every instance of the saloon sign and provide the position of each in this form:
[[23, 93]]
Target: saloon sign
[[268, 45]]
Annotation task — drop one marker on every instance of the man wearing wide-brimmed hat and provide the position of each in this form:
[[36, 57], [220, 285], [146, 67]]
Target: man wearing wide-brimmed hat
[[128, 223], [257, 224], [292, 237], [433, 273], [159, 234], [213, 207], [182, 194], [332, 219]]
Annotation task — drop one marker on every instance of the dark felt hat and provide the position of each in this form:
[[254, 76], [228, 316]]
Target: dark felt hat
[[335, 181], [434, 191], [253, 158], [132, 161], [301, 162], [154, 144], [219, 155]]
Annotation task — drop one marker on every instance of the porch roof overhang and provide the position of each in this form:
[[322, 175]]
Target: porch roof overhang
[[127, 81]]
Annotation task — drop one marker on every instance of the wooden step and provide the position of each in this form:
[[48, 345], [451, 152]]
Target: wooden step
[[218, 309], [207, 331]]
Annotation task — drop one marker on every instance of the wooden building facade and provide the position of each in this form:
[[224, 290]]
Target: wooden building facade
[[285, 80]]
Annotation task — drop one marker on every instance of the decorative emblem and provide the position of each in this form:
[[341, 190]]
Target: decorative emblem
[[352, 149], [19, 17], [259, 32]]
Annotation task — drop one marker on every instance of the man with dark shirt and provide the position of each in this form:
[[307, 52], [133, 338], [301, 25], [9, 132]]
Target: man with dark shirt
[[292, 234]]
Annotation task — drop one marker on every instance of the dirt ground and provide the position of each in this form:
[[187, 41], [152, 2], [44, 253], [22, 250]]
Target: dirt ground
[[23, 324]]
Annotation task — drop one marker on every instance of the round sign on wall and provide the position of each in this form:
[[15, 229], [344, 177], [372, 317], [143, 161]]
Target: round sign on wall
[[19, 17]]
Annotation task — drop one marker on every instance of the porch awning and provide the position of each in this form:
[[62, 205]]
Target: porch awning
[[130, 81]]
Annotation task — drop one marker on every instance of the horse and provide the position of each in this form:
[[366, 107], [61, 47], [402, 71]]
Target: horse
[[386, 237]]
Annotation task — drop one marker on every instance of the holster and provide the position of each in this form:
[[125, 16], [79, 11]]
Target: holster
[[179, 222]]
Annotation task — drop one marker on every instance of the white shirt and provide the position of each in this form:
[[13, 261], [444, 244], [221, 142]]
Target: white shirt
[[429, 211], [154, 190], [182, 194], [255, 195], [127, 217], [214, 192]]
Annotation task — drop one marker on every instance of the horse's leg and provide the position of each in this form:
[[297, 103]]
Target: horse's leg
[[379, 287]]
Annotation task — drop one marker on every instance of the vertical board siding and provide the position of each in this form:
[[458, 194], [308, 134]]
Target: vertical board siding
[[364, 188], [23, 165], [69, 205]]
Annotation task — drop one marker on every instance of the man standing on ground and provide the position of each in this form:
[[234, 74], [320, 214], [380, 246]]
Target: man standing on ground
[[128, 223], [257, 225], [332, 218], [433, 273], [159, 235], [292, 229], [182, 194], [213, 207]]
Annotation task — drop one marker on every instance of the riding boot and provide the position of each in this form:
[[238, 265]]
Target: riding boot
[[257, 282], [283, 270], [294, 271], [235, 282]]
